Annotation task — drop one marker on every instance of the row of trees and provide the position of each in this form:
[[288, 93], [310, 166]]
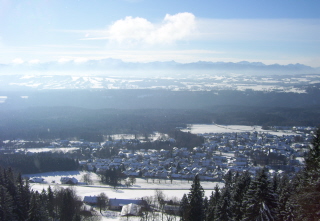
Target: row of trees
[[260, 198]]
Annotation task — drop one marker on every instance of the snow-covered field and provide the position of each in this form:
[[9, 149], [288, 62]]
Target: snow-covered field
[[215, 128], [141, 188], [152, 137], [49, 149]]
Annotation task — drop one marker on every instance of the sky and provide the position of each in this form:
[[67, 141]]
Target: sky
[[268, 31]]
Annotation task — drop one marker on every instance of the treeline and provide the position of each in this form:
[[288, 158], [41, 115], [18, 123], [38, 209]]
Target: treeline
[[44, 123], [38, 162], [267, 116], [160, 99], [19, 202], [261, 197]]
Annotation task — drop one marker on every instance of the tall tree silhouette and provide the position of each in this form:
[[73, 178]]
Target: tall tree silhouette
[[196, 212]]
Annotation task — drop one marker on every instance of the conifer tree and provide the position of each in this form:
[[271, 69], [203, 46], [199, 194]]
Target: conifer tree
[[23, 197], [69, 206], [205, 207], [36, 213], [275, 183], [50, 202], [240, 188], [285, 189], [224, 208], [6, 205], [228, 178], [213, 203], [260, 203], [184, 208], [304, 203], [195, 196]]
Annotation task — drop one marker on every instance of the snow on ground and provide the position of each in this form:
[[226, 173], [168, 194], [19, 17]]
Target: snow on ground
[[49, 149], [152, 137], [141, 188], [215, 128]]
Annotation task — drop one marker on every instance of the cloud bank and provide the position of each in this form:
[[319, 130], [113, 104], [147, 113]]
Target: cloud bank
[[134, 30]]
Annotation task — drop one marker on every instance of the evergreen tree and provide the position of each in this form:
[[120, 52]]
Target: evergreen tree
[[284, 206], [213, 203], [10, 185], [303, 204], [224, 208], [195, 196], [276, 182], [36, 213], [23, 197], [228, 178], [260, 203], [50, 202], [69, 207], [6, 205], [18, 202], [205, 207], [184, 208], [241, 186]]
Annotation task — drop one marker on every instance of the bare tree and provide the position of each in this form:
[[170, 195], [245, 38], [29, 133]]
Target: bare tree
[[86, 178], [148, 211], [103, 201], [132, 180], [127, 182], [159, 196]]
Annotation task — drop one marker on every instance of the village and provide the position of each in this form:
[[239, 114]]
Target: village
[[221, 152]]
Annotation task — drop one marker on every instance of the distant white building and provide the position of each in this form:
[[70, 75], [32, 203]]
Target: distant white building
[[131, 210]]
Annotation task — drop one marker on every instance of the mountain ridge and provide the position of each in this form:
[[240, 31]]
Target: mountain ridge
[[110, 64]]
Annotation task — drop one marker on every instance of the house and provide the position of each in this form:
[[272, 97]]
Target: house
[[91, 200], [117, 204], [68, 180], [36, 180], [131, 210]]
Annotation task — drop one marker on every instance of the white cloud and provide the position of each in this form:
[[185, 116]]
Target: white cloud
[[130, 29], [139, 30], [17, 61]]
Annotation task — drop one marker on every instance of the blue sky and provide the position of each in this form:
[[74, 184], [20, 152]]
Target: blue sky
[[269, 31]]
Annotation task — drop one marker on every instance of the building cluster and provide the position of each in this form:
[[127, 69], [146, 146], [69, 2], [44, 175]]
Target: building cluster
[[221, 152], [240, 151]]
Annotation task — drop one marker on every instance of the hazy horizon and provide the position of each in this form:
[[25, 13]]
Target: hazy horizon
[[270, 32]]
